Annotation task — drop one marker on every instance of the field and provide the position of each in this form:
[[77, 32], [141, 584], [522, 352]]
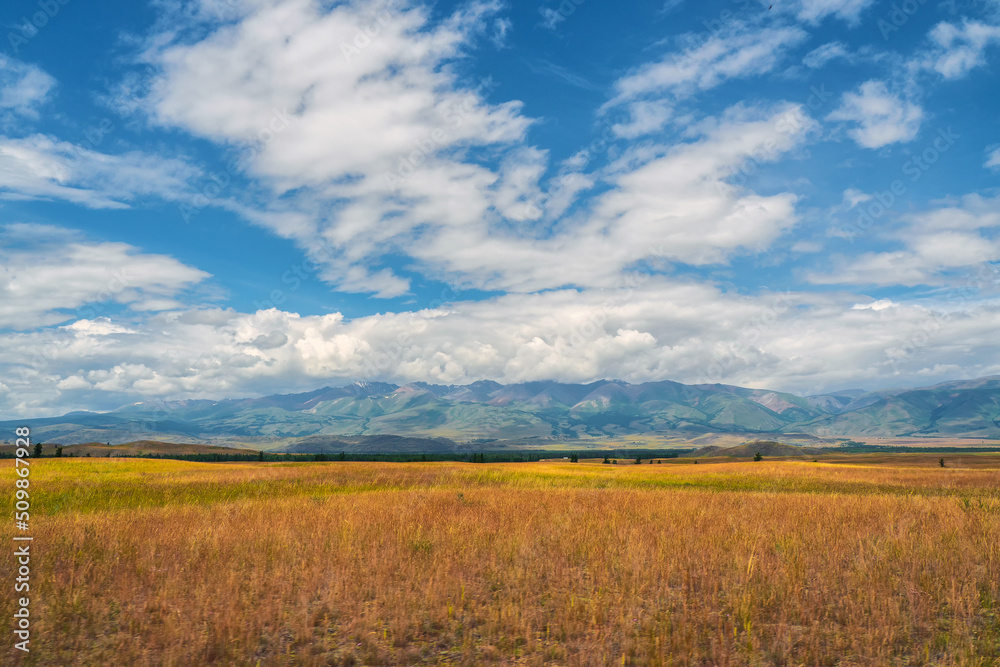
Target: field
[[851, 560]]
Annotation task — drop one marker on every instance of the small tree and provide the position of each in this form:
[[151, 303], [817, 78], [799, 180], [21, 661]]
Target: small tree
[[59, 450], [260, 455], [38, 450], [941, 462], [615, 462], [573, 458], [758, 457], [607, 460], [638, 460]]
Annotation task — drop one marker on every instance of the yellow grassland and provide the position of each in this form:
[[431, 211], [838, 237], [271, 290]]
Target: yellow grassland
[[868, 561]]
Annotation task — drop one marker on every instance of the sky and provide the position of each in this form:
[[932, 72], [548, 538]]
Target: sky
[[227, 198]]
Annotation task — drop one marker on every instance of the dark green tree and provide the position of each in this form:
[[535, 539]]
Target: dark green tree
[[638, 460], [607, 460], [260, 455], [941, 462], [59, 450], [573, 458], [343, 456], [38, 450], [758, 457]]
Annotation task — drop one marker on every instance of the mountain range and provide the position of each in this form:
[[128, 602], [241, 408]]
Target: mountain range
[[486, 411]]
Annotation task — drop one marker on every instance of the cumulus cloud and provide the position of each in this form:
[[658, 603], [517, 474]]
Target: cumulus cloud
[[956, 50], [794, 341], [49, 275], [880, 116]]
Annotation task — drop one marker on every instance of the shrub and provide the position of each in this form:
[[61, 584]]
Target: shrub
[[758, 457]]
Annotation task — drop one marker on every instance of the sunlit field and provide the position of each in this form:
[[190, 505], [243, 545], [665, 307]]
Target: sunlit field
[[865, 560]]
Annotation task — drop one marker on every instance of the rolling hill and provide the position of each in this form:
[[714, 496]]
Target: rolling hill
[[766, 448]]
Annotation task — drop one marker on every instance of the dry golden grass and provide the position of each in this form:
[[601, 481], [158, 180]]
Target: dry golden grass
[[772, 563]]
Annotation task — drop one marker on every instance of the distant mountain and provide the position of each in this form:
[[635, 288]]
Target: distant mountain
[[486, 411], [968, 409]]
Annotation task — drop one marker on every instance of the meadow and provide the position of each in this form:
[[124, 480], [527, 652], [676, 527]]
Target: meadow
[[850, 560]]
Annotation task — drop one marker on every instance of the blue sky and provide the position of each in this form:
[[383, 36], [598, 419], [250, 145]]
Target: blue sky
[[238, 197]]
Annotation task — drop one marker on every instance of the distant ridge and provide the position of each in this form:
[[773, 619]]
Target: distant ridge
[[767, 448], [485, 410]]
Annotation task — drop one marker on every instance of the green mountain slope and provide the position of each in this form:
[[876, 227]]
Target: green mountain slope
[[488, 410]]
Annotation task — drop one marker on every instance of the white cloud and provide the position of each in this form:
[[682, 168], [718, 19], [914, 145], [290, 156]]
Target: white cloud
[[41, 167], [649, 93], [382, 153], [379, 123], [740, 52], [882, 117], [23, 87], [656, 329], [993, 158], [551, 18], [881, 304], [45, 272], [853, 197], [954, 237], [821, 55], [680, 203], [646, 117], [959, 49], [814, 11]]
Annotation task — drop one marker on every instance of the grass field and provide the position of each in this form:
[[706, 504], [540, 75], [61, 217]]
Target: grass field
[[853, 560]]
